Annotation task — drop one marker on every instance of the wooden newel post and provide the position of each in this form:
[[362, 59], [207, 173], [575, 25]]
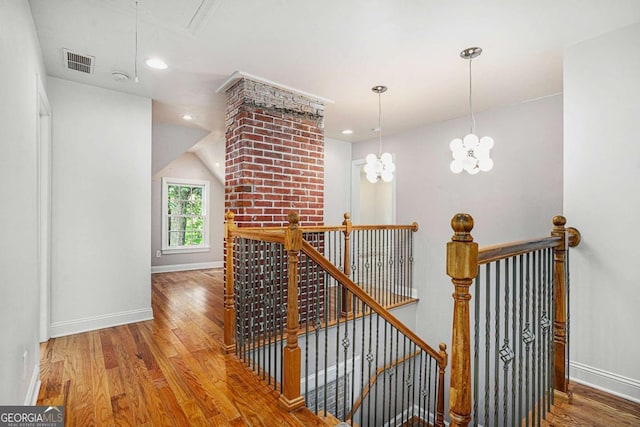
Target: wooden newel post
[[346, 296], [229, 309], [440, 403], [560, 288], [462, 267], [290, 398]]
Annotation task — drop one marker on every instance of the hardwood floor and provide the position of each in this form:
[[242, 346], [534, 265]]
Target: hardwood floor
[[165, 372], [170, 372], [594, 408]]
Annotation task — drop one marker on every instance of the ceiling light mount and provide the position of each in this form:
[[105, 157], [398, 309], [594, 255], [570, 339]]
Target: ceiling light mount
[[379, 89], [471, 52]]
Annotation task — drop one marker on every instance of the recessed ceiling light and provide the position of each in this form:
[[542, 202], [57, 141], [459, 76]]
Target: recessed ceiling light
[[187, 116], [217, 164], [347, 132], [156, 63]]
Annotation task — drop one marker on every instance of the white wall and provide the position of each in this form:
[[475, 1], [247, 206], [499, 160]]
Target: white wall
[[188, 165], [101, 225], [516, 200], [20, 62], [601, 196], [337, 180], [170, 141]]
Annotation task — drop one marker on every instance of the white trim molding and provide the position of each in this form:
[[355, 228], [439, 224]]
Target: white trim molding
[[69, 327], [34, 387], [618, 385], [186, 267]]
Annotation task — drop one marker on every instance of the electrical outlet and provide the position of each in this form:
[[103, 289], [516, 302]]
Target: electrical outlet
[[158, 253]]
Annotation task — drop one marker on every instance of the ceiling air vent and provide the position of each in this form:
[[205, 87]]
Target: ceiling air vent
[[78, 62]]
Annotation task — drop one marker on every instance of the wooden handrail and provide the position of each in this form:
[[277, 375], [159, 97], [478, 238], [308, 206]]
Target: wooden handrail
[[374, 378], [491, 253], [346, 282]]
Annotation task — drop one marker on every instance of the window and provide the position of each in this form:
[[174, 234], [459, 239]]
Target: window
[[184, 215]]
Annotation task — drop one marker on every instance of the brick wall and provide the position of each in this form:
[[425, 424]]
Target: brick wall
[[274, 155]]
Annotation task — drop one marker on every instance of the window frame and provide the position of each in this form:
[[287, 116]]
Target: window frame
[[204, 247]]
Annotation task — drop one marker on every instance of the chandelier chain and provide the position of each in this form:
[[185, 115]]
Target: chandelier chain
[[135, 60]]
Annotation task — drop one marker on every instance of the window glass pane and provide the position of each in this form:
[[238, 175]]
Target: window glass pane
[[197, 238], [185, 193], [176, 238], [185, 208], [197, 194], [176, 223]]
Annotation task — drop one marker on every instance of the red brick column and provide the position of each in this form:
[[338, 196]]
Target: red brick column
[[274, 155]]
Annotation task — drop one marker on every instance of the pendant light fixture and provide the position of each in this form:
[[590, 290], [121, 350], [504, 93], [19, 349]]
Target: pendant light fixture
[[381, 165], [471, 153]]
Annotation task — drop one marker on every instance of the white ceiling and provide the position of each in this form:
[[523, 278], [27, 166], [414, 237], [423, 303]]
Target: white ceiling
[[337, 49]]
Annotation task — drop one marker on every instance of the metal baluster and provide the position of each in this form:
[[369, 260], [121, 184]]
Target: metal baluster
[[362, 358], [505, 352], [375, 413], [539, 343], [534, 322], [513, 341], [283, 311], [429, 398], [525, 336], [420, 388], [404, 370], [547, 292], [520, 338], [353, 349], [496, 389], [552, 300], [487, 341], [384, 374], [327, 314]]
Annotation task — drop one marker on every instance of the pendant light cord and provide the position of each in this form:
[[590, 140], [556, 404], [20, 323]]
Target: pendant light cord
[[135, 62], [379, 124], [473, 119]]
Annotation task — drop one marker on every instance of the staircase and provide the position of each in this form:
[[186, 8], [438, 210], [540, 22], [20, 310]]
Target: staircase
[[307, 309]]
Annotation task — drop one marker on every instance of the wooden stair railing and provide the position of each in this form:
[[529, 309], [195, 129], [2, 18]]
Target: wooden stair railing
[[464, 259], [296, 247]]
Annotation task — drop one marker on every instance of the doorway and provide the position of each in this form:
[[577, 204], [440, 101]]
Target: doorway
[[371, 204]]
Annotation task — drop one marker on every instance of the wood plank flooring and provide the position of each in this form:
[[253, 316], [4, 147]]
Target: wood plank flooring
[[165, 372], [171, 372]]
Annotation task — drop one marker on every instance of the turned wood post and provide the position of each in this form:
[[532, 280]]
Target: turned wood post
[[229, 308], [346, 296], [560, 322], [462, 267], [290, 398], [441, 368]]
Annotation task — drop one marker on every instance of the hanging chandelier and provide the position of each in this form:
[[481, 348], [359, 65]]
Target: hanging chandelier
[[471, 153], [379, 166]]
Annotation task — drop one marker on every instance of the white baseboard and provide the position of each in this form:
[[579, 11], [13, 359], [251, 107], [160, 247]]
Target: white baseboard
[[34, 387], [186, 267], [92, 323], [618, 385]]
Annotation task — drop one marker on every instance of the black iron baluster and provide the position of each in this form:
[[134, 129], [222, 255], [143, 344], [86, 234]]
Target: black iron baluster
[[496, 349], [520, 302], [487, 341], [525, 337]]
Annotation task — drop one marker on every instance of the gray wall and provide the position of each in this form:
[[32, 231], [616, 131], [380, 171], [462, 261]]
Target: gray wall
[[516, 200], [188, 165], [21, 62], [601, 193], [101, 225], [337, 180]]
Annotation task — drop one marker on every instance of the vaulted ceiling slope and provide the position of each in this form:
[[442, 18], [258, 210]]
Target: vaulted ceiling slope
[[336, 49]]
